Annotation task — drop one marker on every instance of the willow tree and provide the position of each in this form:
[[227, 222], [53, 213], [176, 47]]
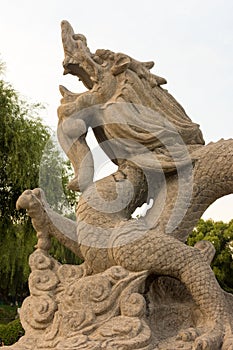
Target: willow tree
[[55, 174], [22, 140], [29, 158]]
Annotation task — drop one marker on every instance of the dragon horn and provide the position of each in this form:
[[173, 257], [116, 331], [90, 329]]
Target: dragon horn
[[67, 34]]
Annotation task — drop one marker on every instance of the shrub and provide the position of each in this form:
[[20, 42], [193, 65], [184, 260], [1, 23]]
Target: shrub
[[11, 332], [7, 313]]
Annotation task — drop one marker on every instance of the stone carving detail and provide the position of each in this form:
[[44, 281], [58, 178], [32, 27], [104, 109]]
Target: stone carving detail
[[115, 309], [69, 310], [140, 286]]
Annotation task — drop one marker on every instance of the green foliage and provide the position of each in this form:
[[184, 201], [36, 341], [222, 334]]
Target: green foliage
[[55, 173], [7, 313], [17, 243], [11, 332], [62, 254], [29, 159], [22, 139], [220, 235]]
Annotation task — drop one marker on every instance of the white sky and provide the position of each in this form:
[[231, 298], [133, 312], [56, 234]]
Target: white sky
[[190, 41]]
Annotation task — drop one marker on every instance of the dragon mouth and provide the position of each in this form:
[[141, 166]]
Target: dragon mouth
[[77, 70], [78, 58]]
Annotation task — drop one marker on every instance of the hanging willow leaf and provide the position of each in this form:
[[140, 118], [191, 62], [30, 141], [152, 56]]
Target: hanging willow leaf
[[23, 140]]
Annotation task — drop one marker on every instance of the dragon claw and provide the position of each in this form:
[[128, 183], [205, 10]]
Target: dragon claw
[[24, 200], [31, 200], [207, 340], [201, 344], [211, 340], [189, 334]]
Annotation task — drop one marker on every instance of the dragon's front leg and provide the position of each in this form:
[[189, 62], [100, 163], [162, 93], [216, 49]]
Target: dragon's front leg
[[47, 222]]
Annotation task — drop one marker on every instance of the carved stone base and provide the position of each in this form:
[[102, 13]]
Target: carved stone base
[[116, 309]]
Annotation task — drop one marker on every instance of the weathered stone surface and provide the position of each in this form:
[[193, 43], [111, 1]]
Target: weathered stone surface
[[115, 309], [140, 286]]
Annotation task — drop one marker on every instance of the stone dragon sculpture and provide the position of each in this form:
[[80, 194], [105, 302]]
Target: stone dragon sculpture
[[160, 154]]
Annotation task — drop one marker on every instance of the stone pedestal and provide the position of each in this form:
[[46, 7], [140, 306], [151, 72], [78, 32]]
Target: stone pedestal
[[116, 309]]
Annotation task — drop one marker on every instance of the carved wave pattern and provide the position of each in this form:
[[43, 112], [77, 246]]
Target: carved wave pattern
[[68, 309]]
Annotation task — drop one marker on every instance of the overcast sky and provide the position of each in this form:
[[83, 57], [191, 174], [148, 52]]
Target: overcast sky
[[190, 41]]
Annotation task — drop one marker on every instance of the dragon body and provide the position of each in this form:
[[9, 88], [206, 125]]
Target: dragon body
[[160, 154]]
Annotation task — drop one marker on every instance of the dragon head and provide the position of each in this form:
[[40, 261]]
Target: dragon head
[[101, 72], [123, 98]]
